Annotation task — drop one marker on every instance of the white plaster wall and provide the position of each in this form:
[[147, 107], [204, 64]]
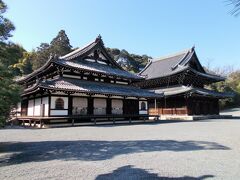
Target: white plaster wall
[[45, 101], [30, 108], [19, 108], [53, 99], [143, 112], [58, 112], [37, 107]]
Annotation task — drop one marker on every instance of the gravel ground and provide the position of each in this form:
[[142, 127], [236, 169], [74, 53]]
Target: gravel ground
[[208, 149]]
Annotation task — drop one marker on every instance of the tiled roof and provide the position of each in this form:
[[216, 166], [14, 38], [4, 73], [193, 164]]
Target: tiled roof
[[83, 86], [177, 90], [161, 67], [80, 51], [174, 64], [76, 60], [97, 67]]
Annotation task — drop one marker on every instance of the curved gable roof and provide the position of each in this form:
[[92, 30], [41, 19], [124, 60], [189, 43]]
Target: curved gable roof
[[77, 60], [164, 66], [88, 49], [175, 63]]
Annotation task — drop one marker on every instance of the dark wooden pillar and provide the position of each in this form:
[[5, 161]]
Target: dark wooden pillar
[[49, 105], [70, 98], [24, 107], [186, 104], [90, 105], [109, 106], [217, 106]]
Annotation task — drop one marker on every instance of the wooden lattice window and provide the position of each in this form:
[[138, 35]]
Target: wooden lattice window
[[59, 103], [143, 106]]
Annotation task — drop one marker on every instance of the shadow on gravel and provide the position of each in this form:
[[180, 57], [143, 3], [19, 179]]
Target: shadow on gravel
[[87, 150], [129, 172]]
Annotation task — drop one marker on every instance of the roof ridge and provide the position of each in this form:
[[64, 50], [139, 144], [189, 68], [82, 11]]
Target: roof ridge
[[97, 40], [77, 50], [172, 55], [147, 65]]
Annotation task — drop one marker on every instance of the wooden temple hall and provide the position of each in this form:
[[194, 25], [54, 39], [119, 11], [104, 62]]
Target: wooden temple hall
[[182, 79], [83, 85], [87, 84]]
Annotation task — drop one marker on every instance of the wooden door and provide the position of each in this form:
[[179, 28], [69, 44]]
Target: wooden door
[[130, 106], [24, 107]]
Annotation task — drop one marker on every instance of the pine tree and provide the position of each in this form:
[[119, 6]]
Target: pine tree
[[9, 91], [60, 45], [40, 56], [24, 65], [5, 25]]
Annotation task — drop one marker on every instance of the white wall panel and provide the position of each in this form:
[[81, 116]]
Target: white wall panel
[[46, 108], [19, 108], [58, 112], [30, 107], [37, 107]]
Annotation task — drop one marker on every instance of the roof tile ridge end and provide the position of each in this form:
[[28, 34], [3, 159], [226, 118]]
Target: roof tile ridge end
[[148, 64], [183, 58]]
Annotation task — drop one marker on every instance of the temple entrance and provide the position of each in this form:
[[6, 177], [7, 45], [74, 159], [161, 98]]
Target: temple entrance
[[130, 106]]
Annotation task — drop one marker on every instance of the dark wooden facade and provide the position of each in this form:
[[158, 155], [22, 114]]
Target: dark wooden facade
[[182, 79], [184, 106]]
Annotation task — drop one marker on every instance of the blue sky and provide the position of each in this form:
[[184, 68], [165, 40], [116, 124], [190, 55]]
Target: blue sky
[[152, 27]]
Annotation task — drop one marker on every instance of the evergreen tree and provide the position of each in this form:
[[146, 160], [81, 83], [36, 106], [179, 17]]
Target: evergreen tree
[[5, 25], [24, 65], [60, 45], [10, 53], [40, 56], [9, 94], [9, 91]]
